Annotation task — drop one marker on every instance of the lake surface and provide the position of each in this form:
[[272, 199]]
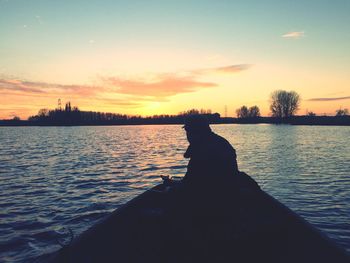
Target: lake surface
[[57, 178]]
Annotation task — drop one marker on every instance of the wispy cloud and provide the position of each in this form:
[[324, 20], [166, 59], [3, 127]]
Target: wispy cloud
[[42, 87], [232, 68], [111, 92], [16, 85], [294, 35], [116, 91], [329, 99], [165, 86]]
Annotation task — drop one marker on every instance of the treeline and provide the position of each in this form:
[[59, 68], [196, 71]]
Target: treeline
[[73, 116], [284, 105]]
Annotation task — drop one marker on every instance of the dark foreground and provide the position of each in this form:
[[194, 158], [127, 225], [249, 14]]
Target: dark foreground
[[165, 225]]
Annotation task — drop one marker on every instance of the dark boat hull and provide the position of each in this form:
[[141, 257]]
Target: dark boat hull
[[163, 226]]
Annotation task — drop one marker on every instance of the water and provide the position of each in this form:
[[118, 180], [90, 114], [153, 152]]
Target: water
[[57, 178]]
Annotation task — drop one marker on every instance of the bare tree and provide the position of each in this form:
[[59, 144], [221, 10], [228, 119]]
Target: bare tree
[[254, 112], [284, 104]]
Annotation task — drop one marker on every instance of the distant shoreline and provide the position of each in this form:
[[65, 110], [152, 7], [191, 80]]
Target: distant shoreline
[[295, 120]]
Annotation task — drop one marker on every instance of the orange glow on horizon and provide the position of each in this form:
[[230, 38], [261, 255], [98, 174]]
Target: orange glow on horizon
[[159, 93]]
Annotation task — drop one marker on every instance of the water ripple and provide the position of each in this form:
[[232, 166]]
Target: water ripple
[[55, 178]]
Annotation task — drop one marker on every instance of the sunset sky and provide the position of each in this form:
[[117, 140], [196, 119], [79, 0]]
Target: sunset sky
[[154, 57]]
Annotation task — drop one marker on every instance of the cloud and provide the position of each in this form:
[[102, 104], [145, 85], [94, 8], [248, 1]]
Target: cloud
[[294, 35], [158, 89], [165, 85], [16, 85], [42, 87], [112, 91], [329, 99], [231, 69]]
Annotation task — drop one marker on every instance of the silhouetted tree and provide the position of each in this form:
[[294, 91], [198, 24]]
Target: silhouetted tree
[[341, 112], [242, 112], [71, 115], [68, 107], [254, 112], [203, 111], [43, 113], [16, 118], [284, 104], [190, 112]]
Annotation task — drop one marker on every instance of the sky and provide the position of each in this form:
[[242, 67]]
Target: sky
[[164, 57]]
